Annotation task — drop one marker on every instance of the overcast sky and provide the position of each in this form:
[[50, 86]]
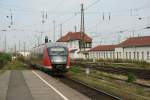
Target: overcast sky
[[27, 20]]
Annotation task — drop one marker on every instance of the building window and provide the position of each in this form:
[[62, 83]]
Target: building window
[[84, 45], [87, 45], [93, 55], [117, 55], [120, 54], [99, 54], [104, 54], [133, 55], [70, 44], [113, 54], [142, 55], [110, 54], [138, 55], [147, 55], [126, 55], [129, 55]]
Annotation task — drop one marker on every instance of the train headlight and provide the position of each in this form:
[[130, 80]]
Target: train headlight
[[67, 67], [64, 60], [53, 60]]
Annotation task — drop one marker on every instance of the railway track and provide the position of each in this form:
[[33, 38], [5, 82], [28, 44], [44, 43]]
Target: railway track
[[140, 73], [87, 90]]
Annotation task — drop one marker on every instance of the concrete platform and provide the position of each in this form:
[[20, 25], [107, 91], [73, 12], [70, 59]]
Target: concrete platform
[[35, 85], [4, 81], [17, 88], [41, 91]]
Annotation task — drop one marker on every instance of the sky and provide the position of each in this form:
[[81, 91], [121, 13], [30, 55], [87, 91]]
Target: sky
[[127, 18]]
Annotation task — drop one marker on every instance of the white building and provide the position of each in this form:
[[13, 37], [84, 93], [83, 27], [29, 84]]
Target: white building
[[135, 48], [102, 52], [25, 54], [78, 43]]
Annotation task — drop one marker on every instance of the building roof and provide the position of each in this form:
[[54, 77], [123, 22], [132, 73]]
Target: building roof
[[104, 48], [75, 36], [136, 41]]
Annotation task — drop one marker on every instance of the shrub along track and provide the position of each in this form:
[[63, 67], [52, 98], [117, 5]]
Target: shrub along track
[[140, 73]]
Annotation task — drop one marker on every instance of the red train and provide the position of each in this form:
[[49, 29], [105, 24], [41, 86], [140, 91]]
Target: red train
[[51, 57]]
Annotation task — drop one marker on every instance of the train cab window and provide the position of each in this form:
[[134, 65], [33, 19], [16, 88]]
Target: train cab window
[[57, 51]]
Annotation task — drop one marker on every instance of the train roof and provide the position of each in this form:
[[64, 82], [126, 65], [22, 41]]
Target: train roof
[[56, 44], [51, 45]]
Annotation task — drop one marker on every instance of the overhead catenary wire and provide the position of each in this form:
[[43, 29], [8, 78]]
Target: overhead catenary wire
[[137, 28], [59, 4], [16, 7], [31, 11], [77, 13], [110, 13], [92, 4]]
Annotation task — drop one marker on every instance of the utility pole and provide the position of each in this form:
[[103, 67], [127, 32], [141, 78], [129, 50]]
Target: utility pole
[[19, 46], [5, 43], [24, 48], [131, 12], [109, 16], [15, 49], [60, 30], [11, 18], [54, 29], [75, 28], [133, 33], [82, 28], [119, 38]]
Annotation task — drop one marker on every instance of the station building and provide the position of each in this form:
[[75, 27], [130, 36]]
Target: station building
[[24, 53], [102, 52], [134, 48], [78, 42]]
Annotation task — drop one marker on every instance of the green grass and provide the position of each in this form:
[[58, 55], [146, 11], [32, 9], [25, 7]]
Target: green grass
[[131, 78], [75, 69], [15, 65]]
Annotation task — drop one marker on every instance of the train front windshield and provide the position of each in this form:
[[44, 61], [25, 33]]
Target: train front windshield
[[57, 51]]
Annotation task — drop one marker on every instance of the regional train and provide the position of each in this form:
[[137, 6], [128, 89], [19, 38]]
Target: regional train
[[51, 57]]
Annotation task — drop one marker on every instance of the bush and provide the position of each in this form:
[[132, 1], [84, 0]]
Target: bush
[[131, 78], [75, 69], [4, 58], [1, 62]]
